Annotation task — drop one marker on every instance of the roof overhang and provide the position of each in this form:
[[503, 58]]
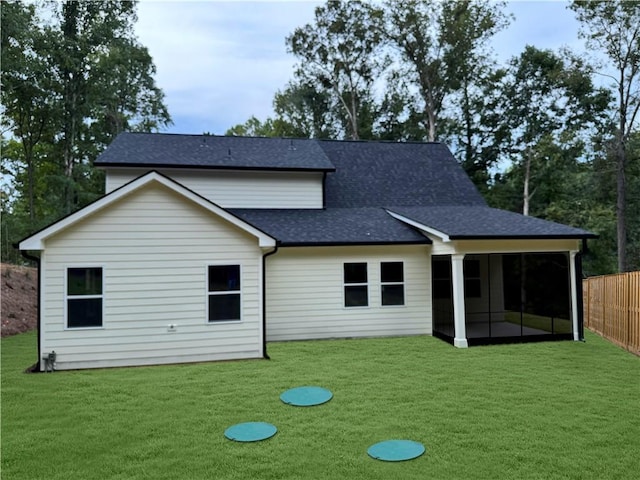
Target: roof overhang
[[37, 240], [157, 166], [448, 237], [420, 226]]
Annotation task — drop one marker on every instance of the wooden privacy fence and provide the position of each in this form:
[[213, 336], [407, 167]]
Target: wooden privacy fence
[[612, 308]]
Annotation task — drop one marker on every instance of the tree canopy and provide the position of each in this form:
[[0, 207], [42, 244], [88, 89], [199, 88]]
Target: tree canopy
[[73, 76], [541, 134], [553, 134]]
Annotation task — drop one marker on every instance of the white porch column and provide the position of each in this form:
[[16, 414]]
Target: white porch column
[[457, 280], [574, 294]]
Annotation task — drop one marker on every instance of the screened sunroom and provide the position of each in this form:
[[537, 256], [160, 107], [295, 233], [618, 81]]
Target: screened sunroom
[[507, 297]]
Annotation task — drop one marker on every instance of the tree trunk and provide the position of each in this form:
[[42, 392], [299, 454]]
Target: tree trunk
[[468, 124], [620, 207], [355, 135], [431, 118], [621, 157]]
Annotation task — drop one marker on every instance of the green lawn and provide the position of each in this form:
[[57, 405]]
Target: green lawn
[[545, 411]]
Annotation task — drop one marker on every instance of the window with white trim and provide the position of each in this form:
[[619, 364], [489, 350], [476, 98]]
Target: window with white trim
[[84, 297], [356, 286], [224, 297], [392, 283]]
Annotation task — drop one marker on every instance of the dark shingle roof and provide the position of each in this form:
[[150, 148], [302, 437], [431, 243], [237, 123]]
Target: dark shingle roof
[[209, 151], [334, 226], [420, 181], [477, 222], [371, 174]]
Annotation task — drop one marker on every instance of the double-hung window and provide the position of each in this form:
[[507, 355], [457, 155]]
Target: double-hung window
[[224, 293], [356, 288], [392, 283], [84, 297]]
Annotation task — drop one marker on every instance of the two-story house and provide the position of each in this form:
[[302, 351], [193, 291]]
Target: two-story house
[[205, 247]]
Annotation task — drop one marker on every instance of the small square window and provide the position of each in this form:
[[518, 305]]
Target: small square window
[[392, 272], [84, 281], [224, 278], [355, 273], [224, 307]]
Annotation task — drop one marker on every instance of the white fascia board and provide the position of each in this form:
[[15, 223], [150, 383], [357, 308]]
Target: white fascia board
[[37, 240], [420, 226]]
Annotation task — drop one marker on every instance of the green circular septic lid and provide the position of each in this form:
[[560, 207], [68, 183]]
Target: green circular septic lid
[[396, 450], [250, 431], [306, 396]]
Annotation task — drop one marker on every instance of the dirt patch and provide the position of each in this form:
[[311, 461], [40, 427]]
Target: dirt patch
[[19, 301]]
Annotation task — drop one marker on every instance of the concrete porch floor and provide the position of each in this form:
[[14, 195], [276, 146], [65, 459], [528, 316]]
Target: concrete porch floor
[[496, 329], [500, 329]]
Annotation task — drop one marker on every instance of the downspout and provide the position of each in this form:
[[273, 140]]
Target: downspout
[[36, 366], [264, 300]]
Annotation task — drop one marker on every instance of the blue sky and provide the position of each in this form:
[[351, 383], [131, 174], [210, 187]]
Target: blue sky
[[219, 62]]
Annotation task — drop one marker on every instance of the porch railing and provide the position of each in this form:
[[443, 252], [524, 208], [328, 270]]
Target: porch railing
[[612, 308]]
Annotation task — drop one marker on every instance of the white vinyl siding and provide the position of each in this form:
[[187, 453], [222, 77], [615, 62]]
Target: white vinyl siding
[[239, 189], [305, 300], [154, 247]]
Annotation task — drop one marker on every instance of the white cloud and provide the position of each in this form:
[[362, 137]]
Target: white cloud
[[221, 62]]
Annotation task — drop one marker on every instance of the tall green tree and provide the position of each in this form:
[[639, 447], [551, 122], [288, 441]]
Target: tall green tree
[[340, 53], [309, 109], [73, 76], [612, 28], [27, 100], [106, 82], [268, 128], [442, 48], [549, 100]]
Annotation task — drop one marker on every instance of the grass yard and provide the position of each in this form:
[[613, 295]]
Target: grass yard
[[560, 410]]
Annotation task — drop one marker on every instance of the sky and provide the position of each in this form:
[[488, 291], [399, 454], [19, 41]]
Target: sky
[[220, 62]]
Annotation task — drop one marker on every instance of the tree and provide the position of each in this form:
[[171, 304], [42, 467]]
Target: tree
[[73, 76], [105, 81], [550, 101], [27, 103], [440, 45], [256, 128], [613, 28], [340, 53], [308, 109]]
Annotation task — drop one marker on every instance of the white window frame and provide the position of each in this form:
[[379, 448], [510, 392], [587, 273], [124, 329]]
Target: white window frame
[[223, 292], [402, 283], [68, 297], [362, 284]]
